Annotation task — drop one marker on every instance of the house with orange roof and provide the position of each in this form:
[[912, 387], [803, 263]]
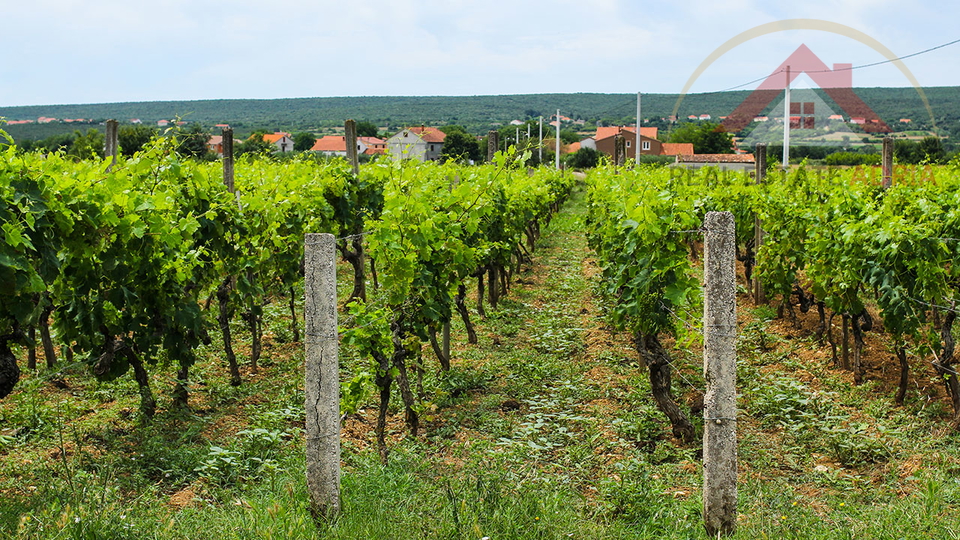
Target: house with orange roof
[[724, 162], [422, 143], [676, 149], [336, 145], [282, 140], [215, 144], [605, 138]]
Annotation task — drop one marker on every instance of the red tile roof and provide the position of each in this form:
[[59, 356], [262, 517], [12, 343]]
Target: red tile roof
[[716, 158], [676, 149], [610, 131], [274, 137], [330, 143], [428, 134]]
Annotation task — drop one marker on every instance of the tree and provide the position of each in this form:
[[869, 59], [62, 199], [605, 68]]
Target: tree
[[907, 152], [707, 138], [132, 138], [87, 145], [192, 142], [303, 141], [460, 146], [931, 150], [568, 137], [254, 145], [367, 129], [584, 158]]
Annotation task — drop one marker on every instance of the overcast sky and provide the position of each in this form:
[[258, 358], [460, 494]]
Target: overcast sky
[[93, 51]]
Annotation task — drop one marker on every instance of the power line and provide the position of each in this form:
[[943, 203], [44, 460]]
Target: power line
[[852, 68]]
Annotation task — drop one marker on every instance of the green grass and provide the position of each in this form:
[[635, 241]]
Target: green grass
[[539, 431]]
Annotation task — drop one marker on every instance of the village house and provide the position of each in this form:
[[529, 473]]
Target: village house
[[724, 162], [281, 140], [604, 140], [422, 143], [336, 145]]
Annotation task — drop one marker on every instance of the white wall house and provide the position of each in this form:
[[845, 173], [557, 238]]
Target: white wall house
[[422, 143]]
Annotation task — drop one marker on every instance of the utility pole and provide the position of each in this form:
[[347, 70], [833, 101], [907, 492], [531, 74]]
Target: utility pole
[[786, 125], [637, 142], [540, 145], [557, 160]]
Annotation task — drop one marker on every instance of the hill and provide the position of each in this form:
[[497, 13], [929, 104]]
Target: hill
[[477, 113]]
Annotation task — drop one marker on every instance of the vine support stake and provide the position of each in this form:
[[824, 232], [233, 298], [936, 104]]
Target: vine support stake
[[227, 144], [350, 139], [760, 176], [720, 371], [322, 376], [111, 143], [493, 144], [886, 162]]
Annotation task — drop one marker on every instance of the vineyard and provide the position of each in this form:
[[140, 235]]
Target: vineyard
[[151, 349]]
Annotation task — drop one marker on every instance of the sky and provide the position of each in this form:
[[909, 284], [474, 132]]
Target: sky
[[103, 51]]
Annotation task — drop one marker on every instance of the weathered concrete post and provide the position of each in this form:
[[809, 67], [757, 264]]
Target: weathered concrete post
[[886, 162], [227, 144], [719, 365], [619, 150], [322, 376], [760, 175], [493, 144], [350, 139], [111, 144]]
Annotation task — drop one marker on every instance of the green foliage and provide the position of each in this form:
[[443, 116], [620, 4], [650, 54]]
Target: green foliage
[[851, 158], [707, 137], [303, 141], [133, 138], [367, 129], [87, 145], [584, 158], [192, 141], [459, 146], [255, 145]]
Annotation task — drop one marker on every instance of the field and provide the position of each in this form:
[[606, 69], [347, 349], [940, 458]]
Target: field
[[545, 428]]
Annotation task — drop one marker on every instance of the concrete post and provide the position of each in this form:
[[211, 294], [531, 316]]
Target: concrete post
[[322, 376], [619, 150], [886, 162], [719, 365], [760, 176], [350, 139], [540, 145], [227, 144], [557, 157], [639, 123], [111, 144], [786, 124], [493, 144]]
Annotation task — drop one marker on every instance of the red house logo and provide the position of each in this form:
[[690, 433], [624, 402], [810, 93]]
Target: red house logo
[[836, 83]]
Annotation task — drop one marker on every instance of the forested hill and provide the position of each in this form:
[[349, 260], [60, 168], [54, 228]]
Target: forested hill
[[477, 113]]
